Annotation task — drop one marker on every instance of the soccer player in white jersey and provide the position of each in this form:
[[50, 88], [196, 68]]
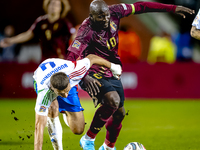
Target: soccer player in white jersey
[[195, 30], [54, 78]]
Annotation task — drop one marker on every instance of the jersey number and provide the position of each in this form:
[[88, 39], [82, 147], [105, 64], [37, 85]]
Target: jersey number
[[111, 42], [96, 75], [43, 66]]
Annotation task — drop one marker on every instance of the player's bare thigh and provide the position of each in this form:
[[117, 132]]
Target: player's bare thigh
[[76, 121]]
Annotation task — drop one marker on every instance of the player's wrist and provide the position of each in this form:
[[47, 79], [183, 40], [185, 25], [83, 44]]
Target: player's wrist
[[116, 69], [112, 66]]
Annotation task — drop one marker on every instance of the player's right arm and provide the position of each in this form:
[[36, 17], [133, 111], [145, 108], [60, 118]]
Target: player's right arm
[[40, 122], [20, 38], [115, 68], [43, 102], [24, 36]]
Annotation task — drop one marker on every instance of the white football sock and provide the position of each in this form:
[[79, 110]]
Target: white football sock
[[89, 138], [65, 119], [107, 147], [55, 132]]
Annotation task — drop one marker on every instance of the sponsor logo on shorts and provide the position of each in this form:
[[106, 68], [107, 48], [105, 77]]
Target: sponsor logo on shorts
[[42, 109], [76, 44]]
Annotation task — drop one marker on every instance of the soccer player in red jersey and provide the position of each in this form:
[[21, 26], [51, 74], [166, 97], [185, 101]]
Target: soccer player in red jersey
[[53, 30], [98, 34]]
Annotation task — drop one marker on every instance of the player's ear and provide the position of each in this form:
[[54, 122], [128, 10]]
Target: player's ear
[[91, 17]]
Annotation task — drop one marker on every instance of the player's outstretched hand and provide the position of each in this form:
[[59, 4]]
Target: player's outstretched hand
[[116, 70], [181, 10], [5, 42]]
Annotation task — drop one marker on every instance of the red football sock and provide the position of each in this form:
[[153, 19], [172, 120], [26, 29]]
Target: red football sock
[[101, 116], [113, 129]]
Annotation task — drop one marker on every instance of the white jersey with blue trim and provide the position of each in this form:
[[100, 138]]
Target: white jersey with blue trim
[[196, 21], [75, 70]]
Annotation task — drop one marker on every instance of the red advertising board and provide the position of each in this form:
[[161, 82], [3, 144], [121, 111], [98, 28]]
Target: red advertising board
[[141, 80]]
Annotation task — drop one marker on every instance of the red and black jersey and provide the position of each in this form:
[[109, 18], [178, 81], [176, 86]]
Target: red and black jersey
[[54, 37]]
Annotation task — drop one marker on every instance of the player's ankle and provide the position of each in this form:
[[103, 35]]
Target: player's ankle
[[108, 147]]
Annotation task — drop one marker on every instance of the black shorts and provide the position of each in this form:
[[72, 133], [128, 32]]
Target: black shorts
[[108, 84]]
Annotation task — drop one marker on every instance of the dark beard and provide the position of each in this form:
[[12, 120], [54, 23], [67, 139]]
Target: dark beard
[[98, 26]]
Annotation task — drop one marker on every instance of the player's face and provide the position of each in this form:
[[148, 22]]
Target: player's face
[[102, 19], [54, 7], [62, 93]]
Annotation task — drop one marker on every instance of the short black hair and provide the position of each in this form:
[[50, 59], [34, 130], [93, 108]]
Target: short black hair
[[59, 80]]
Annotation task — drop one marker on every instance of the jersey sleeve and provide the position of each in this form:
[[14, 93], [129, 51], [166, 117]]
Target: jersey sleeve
[[196, 21], [34, 27], [81, 67], [81, 41], [122, 10], [144, 7]]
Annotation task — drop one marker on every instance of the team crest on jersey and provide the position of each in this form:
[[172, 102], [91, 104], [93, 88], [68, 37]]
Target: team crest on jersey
[[76, 44], [113, 25], [42, 109]]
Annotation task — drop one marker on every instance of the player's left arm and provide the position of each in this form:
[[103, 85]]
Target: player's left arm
[[195, 33], [40, 122], [144, 7]]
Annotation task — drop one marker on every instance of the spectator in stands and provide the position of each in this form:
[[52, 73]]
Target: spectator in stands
[[162, 49], [129, 48], [9, 54], [52, 29]]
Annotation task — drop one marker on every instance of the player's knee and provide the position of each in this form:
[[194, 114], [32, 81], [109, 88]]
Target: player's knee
[[78, 131], [113, 99]]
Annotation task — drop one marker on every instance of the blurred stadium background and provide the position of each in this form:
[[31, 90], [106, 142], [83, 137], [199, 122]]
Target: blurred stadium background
[[161, 86]]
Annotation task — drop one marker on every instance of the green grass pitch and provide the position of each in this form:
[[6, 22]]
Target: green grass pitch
[[157, 124]]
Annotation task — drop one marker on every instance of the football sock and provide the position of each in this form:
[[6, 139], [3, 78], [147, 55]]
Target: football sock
[[55, 132], [65, 119], [89, 138], [107, 147], [113, 129], [101, 116]]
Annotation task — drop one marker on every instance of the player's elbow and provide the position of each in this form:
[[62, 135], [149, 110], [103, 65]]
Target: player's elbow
[[194, 32], [91, 57]]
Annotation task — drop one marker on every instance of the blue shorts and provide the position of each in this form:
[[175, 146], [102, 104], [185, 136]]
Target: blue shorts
[[71, 103]]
